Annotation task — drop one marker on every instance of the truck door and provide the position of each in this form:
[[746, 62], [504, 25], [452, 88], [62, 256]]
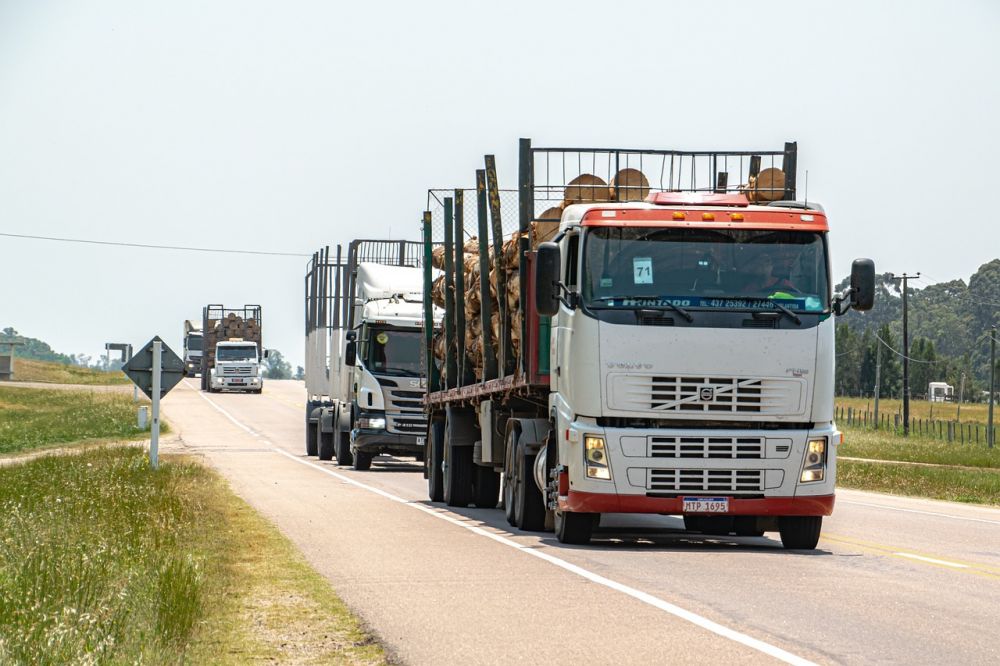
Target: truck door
[[562, 379]]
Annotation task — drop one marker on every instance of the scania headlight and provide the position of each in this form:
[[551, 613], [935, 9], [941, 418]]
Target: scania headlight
[[596, 456], [373, 424], [814, 466]]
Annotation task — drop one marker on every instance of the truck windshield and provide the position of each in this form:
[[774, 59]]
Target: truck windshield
[[244, 353], [194, 343], [743, 269], [393, 352]]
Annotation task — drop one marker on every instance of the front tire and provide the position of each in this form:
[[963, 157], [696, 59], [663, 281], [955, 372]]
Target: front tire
[[800, 532], [574, 528], [363, 461], [311, 443]]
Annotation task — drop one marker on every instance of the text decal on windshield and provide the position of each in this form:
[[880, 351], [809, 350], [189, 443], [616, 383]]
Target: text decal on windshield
[[716, 303]]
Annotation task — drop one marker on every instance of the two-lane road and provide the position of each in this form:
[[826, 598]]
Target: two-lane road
[[894, 580]]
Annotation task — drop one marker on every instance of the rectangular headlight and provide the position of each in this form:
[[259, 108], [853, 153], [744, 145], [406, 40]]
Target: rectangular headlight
[[814, 465], [596, 458], [373, 424]]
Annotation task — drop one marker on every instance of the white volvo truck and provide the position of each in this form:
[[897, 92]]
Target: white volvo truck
[[364, 312], [676, 353]]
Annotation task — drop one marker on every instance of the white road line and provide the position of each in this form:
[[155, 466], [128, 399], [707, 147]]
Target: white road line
[[227, 414], [932, 560], [644, 597], [925, 513]]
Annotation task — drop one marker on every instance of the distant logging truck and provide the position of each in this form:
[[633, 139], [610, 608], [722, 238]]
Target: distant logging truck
[[232, 349]]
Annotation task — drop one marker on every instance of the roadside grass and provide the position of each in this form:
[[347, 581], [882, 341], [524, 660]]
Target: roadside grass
[[33, 418], [886, 445], [956, 485], [920, 409], [104, 561], [30, 370]]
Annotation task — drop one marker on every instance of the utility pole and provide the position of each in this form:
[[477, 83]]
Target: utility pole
[[993, 384], [878, 374], [906, 353], [961, 397]]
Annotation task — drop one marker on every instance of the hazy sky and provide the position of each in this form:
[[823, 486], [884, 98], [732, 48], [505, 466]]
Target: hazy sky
[[285, 126]]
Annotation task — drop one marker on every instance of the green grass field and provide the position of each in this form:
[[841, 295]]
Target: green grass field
[[956, 483], [104, 561], [28, 370], [33, 418], [921, 409]]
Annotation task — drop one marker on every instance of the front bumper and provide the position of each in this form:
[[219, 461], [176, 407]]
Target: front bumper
[[584, 502], [379, 441], [244, 384]]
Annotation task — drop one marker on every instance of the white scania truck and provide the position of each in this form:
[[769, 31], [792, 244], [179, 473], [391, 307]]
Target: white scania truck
[[364, 313], [676, 350]]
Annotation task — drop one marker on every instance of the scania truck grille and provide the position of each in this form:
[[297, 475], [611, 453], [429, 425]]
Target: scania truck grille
[[406, 424], [706, 480]]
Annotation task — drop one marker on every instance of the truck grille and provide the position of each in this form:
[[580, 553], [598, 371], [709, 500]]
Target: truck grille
[[706, 395], [404, 409], [235, 372], [706, 480], [706, 447]]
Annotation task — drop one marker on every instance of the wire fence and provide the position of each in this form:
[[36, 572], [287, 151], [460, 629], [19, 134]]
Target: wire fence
[[946, 431], [510, 222]]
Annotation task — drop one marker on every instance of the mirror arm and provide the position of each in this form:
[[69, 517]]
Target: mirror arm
[[842, 302], [570, 299]]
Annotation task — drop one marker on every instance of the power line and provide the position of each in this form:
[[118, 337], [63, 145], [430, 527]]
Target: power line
[[155, 247]]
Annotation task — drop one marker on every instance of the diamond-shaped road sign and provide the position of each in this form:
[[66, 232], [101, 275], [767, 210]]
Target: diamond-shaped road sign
[[140, 368]]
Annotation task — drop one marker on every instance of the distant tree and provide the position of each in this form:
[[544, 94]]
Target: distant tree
[[300, 372], [33, 348], [276, 367]]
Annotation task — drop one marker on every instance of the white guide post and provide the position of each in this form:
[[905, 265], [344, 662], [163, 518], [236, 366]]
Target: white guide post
[[154, 440]]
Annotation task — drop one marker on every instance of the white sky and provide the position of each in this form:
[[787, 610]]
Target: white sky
[[285, 126]]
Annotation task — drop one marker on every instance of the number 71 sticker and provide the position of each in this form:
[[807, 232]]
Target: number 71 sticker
[[642, 270]]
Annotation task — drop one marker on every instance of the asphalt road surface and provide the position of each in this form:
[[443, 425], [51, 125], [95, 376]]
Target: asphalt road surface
[[895, 580]]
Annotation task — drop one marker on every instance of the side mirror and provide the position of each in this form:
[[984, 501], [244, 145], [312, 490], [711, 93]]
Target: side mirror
[[351, 354], [862, 284], [267, 353], [352, 336], [547, 263]]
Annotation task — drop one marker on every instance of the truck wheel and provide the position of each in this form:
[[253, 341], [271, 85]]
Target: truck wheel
[[342, 442], [529, 508], [457, 472], [362, 460], [486, 487], [574, 528], [509, 476], [325, 440], [800, 532], [435, 440], [311, 444]]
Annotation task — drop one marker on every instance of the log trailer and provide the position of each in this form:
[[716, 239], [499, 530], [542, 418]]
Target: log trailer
[[364, 311], [676, 350]]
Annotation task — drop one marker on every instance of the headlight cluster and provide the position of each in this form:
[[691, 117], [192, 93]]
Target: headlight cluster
[[373, 424], [814, 466], [596, 456]]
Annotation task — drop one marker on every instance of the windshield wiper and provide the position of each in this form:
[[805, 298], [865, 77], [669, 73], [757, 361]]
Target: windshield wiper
[[778, 306], [660, 302]]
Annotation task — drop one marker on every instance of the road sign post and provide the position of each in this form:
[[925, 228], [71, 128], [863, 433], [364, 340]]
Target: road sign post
[[154, 436], [155, 369]]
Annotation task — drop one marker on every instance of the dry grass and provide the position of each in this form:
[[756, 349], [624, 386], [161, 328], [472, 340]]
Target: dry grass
[[28, 370], [921, 409]]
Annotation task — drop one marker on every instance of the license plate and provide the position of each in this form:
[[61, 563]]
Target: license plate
[[421, 441], [706, 504]]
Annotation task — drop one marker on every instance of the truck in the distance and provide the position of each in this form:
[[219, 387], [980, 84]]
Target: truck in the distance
[[364, 313], [192, 348], [664, 344], [232, 349]]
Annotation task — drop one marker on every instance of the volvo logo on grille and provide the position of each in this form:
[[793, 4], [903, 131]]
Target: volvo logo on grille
[[707, 394]]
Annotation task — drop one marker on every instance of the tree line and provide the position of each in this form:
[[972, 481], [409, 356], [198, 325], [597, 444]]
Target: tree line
[[949, 325]]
